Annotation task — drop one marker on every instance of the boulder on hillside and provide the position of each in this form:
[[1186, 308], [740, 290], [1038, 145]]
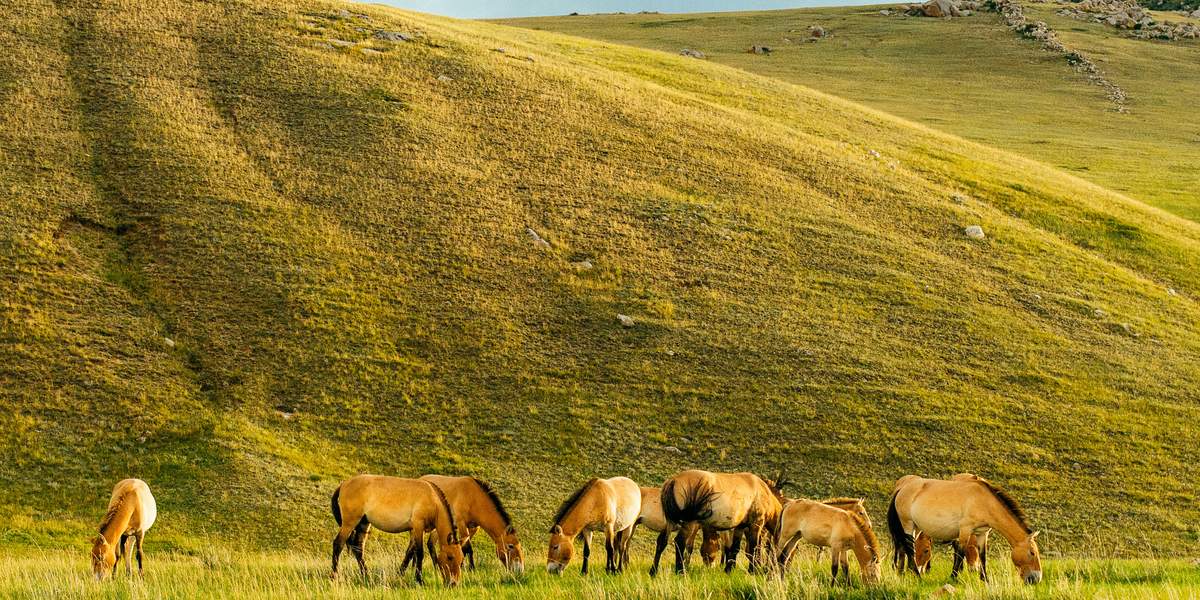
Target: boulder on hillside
[[393, 36], [691, 53], [941, 9], [756, 49], [816, 31]]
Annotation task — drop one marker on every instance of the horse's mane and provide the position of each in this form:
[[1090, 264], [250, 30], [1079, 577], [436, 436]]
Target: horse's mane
[[867, 533], [491, 494], [1008, 502], [572, 501], [449, 513], [113, 510], [841, 500]]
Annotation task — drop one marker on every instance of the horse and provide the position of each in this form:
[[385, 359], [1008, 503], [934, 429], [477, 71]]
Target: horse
[[475, 505], [608, 505], [713, 545], [654, 519], [742, 502], [962, 511], [396, 505], [825, 525], [131, 512]]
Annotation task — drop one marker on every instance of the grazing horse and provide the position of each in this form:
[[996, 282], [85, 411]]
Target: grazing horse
[[131, 512], [475, 505], [396, 505], [712, 547], [654, 519], [962, 511], [742, 502], [608, 505], [825, 525]]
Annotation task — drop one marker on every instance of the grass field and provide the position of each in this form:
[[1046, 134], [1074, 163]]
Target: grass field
[[217, 574], [248, 250], [971, 77]]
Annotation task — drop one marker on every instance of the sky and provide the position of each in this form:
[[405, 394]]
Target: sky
[[494, 9]]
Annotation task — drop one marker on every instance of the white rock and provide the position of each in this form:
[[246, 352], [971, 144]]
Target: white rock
[[873, 153], [1099, 313], [625, 320], [974, 232], [582, 265], [169, 342]]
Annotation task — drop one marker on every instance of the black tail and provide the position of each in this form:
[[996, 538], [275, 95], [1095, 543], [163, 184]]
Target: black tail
[[901, 541], [696, 501], [333, 504]]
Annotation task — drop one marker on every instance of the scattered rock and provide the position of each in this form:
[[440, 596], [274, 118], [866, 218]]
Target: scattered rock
[[958, 198], [692, 53], [582, 265], [670, 353], [393, 36], [537, 239], [945, 590], [885, 12], [341, 43], [1129, 15], [1129, 330], [1099, 313], [672, 449], [500, 50], [169, 342], [974, 232], [1172, 292], [873, 153], [625, 320], [372, 51], [816, 31], [445, 78], [759, 50], [529, 57]]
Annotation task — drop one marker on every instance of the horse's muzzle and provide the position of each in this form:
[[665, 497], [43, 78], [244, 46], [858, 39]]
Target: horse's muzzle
[[1033, 577], [554, 568], [517, 568]]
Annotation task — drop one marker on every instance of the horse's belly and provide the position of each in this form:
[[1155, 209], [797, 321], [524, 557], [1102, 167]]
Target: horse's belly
[[726, 514], [392, 520], [941, 525]]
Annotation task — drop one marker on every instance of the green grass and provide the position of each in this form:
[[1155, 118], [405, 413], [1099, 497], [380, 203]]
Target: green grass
[[220, 574], [334, 242], [970, 77]]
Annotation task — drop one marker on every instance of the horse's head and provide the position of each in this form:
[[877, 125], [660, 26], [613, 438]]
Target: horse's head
[[450, 560], [871, 572], [104, 556], [710, 548], [510, 552], [1028, 559], [562, 548], [922, 552]]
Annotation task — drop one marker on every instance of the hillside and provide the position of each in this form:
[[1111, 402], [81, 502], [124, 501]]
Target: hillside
[[247, 250], [971, 77]]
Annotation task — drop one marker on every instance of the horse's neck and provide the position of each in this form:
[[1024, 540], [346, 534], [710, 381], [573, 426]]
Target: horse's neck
[[1006, 524], [445, 527], [861, 548], [119, 522], [484, 513], [578, 518]]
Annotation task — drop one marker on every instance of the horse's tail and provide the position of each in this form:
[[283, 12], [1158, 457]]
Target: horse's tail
[[333, 504], [901, 541], [696, 502]]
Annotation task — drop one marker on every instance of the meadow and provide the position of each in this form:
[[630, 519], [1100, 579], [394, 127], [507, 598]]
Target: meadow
[[217, 573]]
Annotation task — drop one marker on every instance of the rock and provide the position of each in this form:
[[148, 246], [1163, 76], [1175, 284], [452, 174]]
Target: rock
[[940, 9], [1129, 330], [958, 198], [445, 78], [944, 591], [582, 265], [537, 239], [816, 31], [169, 342], [341, 43], [1172, 292], [500, 50], [1100, 313], [625, 320], [873, 153], [885, 12], [691, 53], [759, 50], [974, 232], [393, 36], [372, 51], [672, 449]]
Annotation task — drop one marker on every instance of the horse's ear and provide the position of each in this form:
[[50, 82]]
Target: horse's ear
[[556, 530], [1034, 535], [511, 530]]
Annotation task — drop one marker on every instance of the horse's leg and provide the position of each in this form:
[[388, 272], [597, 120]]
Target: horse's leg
[[138, 541], [688, 531], [339, 541], [680, 549], [358, 544], [469, 554], [610, 550], [731, 552], [785, 552], [752, 547], [660, 544], [418, 550], [587, 549], [959, 557], [982, 542], [845, 560]]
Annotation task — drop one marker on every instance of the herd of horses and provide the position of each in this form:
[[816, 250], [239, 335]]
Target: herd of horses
[[725, 510]]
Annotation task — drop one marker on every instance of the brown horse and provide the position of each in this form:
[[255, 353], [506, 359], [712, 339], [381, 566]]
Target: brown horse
[[396, 505], [475, 505], [608, 505], [654, 519], [824, 525], [962, 511], [131, 512], [742, 502], [712, 547]]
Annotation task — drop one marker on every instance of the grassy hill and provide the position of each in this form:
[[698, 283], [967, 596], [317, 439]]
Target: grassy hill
[[971, 77], [250, 249]]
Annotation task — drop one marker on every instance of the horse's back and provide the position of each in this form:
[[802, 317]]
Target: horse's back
[[145, 510], [942, 507], [391, 504]]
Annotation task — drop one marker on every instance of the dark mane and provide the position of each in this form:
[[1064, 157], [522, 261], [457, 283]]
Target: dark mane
[[867, 533], [1008, 502], [112, 512], [572, 501], [487, 489], [841, 500], [449, 513]]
